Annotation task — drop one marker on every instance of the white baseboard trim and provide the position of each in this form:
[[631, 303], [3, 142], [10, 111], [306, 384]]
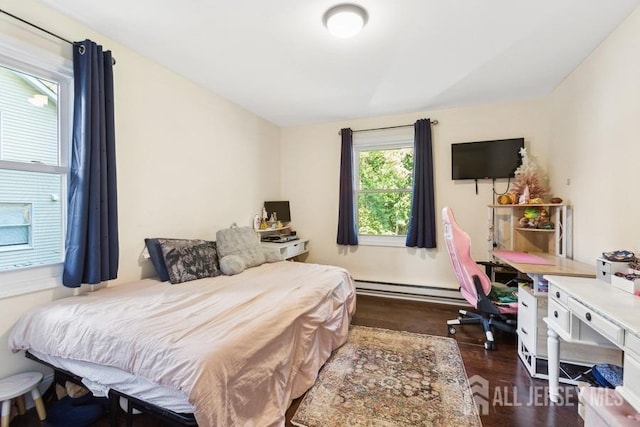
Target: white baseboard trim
[[410, 292]]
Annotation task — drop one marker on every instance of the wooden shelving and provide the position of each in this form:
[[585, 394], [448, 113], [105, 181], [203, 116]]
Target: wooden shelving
[[506, 232], [540, 230]]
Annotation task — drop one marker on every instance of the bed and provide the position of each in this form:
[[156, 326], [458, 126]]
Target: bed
[[233, 350]]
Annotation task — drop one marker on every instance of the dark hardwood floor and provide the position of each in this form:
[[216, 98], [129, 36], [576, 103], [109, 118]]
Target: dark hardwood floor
[[512, 397]]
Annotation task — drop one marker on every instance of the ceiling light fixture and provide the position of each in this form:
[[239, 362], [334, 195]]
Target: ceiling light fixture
[[345, 20]]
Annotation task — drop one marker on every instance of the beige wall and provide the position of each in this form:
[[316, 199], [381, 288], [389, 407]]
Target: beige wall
[[310, 176], [189, 162], [595, 143]]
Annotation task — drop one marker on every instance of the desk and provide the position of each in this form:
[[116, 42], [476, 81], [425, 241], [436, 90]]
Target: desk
[[532, 308], [594, 312], [549, 264]]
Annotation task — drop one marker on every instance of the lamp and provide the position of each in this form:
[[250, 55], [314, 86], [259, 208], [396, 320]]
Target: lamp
[[345, 20]]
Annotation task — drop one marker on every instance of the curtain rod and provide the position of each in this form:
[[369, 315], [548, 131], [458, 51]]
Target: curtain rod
[[36, 26], [43, 30], [433, 122]]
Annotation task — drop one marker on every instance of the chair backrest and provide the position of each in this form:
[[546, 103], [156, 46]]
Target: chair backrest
[[459, 248]]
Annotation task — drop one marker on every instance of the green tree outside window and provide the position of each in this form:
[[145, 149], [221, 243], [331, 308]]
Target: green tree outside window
[[384, 193]]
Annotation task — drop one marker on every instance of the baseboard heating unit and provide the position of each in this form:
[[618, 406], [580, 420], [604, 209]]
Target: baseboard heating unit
[[410, 292]]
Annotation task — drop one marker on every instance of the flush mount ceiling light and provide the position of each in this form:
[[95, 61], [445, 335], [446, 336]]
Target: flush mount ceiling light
[[345, 20]]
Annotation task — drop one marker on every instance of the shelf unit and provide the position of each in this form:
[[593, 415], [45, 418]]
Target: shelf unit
[[289, 250], [505, 232]]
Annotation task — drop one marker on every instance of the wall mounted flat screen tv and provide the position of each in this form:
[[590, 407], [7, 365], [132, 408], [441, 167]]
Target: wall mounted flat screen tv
[[486, 159], [281, 209]]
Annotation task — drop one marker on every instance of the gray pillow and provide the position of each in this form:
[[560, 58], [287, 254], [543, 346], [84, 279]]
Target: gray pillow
[[232, 264], [243, 243], [272, 255]]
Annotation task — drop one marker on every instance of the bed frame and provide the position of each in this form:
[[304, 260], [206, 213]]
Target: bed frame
[[168, 417]]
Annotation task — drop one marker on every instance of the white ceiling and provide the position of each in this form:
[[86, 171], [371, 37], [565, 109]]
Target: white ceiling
[[275, 58]]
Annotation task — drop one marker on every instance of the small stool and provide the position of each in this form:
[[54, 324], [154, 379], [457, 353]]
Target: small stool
[[15, 387]]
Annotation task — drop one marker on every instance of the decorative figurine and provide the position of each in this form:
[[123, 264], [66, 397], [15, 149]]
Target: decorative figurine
[[544, 221]]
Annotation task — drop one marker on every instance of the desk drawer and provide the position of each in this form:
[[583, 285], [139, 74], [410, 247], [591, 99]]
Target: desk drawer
[[295, 249], [605, 276], [607, 328], [631, 376], [527, 318], [605, 269], [527, 310], [603, 265], [527, 335], [559, 316], [557, 294], [632, 344]]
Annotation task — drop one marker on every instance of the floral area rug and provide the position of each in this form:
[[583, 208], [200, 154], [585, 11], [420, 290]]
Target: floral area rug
[[389, 378]]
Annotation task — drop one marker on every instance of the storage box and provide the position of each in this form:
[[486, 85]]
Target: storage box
[[631, 286], [605, 269]]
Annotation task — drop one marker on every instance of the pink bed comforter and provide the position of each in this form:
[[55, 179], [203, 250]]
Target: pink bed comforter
[[240, 347]]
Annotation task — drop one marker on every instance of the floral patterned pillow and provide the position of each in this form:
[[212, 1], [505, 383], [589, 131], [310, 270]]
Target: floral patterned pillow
[[154, 247], [190, 262]]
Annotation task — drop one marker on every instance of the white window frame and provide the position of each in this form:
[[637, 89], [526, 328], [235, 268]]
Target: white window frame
[[27, 58], [386, 139]]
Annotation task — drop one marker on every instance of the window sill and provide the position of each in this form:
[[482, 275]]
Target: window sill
[[29, 280], [386, 241]]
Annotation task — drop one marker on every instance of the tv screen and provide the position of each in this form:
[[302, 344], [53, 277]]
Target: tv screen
[[281, 208], [486, 159]]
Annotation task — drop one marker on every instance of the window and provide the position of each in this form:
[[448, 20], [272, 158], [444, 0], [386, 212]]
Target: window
[[383, 171], [35, 124], [15, 226]]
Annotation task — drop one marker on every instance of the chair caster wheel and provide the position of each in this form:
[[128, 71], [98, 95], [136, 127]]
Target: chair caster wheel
[[452, 330], [489, 345]]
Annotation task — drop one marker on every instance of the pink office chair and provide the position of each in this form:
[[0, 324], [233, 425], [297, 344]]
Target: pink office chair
[[475, 286]]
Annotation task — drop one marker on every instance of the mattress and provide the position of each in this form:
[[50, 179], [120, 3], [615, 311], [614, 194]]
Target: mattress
[[240, 348], [100, 379]]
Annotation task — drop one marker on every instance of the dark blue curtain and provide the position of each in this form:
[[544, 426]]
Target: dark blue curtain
[[422, 222], [92, 226], [347, 234]]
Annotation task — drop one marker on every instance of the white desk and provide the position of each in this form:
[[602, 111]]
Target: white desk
[[532, 307], [594, 312]]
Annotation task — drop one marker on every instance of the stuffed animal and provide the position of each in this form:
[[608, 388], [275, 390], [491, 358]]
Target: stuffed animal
[[523, 222]]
